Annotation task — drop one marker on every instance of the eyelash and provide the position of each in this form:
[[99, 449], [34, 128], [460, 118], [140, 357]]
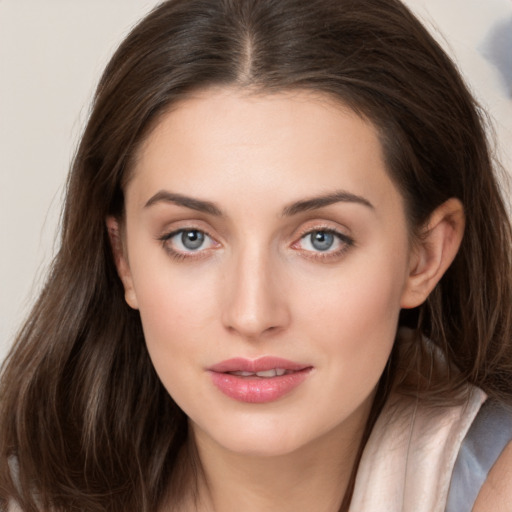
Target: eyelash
[[345, 241], [184, 255]]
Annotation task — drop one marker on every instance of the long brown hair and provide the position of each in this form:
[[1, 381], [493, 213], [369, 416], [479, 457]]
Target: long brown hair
[[85, 424]]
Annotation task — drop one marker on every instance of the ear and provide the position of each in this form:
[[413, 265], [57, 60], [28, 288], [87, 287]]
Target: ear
[[434, 252], [121, 261]]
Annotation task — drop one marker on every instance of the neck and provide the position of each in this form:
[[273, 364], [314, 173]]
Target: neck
[[314, 477]]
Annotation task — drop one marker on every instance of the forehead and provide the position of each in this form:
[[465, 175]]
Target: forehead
[[227, 141]]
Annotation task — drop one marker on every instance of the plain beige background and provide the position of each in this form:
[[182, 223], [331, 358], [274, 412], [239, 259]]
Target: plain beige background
[[51, 55]]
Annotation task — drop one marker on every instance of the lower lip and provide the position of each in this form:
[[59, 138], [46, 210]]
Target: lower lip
[[258, 390]]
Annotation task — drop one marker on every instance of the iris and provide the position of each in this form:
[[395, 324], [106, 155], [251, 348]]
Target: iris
[[322, 240], [192, 239]]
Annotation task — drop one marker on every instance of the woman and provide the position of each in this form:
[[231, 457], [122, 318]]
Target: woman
[[284, 280]]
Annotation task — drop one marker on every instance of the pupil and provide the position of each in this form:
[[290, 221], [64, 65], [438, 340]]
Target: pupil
[[322, 241], [192, 239]]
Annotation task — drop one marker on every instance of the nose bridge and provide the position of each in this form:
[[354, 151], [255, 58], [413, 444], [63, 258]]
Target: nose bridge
[[254, 305]]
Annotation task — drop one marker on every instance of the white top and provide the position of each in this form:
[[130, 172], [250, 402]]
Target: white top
[[409, 458]]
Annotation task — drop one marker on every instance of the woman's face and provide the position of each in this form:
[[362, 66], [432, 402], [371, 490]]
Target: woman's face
[[263, 234]]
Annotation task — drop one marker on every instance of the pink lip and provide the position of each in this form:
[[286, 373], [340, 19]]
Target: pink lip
[[257, 389]]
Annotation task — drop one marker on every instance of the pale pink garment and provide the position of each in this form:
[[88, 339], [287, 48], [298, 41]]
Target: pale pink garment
[[408, 461]]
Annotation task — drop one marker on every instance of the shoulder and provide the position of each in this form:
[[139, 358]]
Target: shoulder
[[408, 459], [483, 470], [496, 492]]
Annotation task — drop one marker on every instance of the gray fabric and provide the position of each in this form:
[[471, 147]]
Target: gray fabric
[[490, 432]]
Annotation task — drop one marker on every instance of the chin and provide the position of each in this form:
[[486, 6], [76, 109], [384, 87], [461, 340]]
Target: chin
[[262, 446], [261, 437]]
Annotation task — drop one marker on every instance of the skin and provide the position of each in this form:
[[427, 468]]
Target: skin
[[259, 286]]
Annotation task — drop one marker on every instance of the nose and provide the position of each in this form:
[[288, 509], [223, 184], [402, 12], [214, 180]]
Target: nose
[[256, 304]]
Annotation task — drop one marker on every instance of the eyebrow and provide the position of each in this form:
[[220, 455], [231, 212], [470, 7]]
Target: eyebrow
[[315, 203], [163, 196]]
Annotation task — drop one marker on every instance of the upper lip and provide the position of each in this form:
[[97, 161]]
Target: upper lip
[[240, 364]]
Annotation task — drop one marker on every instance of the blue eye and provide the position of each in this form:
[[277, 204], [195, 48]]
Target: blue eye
[[192, 240], [186, 241], [321, 240], [324, 241]]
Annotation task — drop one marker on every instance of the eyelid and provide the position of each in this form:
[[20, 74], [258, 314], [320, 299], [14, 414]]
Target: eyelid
[[322, 225], [186, 254], [340, 236], [346, 241]]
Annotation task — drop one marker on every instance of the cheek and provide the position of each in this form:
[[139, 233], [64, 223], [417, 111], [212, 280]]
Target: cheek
[[353, 316], [170, 314], [352, 329], [177, 314], [175, 339]]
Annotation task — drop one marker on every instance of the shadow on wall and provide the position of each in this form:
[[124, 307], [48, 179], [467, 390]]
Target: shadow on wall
[[497, 49]]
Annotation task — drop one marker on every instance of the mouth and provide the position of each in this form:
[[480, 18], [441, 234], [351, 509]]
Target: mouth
[[266, 374], [262, 380]]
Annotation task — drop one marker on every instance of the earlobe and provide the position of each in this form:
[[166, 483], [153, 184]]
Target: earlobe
[[121, 262], [434, 252]]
